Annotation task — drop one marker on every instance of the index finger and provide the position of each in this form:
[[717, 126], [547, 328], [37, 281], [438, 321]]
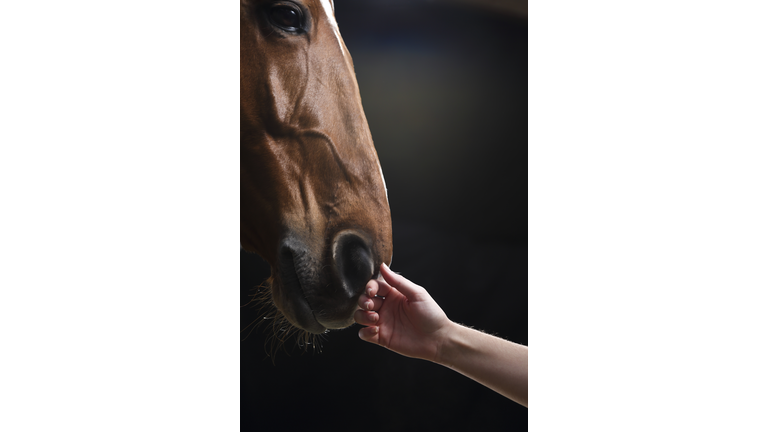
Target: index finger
[[409, 289]]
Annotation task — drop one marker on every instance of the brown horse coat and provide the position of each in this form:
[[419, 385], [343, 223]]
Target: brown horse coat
[[313, 200]]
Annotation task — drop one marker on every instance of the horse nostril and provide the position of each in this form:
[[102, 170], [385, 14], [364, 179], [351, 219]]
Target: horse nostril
[[354, 262]]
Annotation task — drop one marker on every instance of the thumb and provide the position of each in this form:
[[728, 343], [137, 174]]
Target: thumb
[[409, 289]]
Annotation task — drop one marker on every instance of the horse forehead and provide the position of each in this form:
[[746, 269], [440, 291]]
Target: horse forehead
[[328, 9]]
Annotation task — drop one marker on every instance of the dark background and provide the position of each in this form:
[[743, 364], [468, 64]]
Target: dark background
[[444, 88]]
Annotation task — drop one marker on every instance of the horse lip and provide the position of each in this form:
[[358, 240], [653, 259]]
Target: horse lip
[[293, 292]]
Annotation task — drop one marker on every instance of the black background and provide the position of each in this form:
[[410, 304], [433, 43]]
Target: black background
[[445, 92]]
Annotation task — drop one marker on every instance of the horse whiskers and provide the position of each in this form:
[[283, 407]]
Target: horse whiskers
[[282, 330], [260, 299]]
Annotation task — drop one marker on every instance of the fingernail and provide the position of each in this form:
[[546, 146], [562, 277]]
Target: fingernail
[[369, 305]]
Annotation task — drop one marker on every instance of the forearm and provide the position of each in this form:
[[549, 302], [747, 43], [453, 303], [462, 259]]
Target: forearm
[[494, 362]]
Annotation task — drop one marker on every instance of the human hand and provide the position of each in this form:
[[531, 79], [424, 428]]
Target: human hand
[[401, 316]]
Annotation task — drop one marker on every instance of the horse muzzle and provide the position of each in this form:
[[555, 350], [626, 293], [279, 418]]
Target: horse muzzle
[[317, 288]]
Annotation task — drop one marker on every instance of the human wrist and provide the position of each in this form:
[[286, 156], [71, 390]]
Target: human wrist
[[450, 343]]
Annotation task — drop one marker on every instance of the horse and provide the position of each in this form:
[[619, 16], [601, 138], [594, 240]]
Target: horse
[[313, 200]]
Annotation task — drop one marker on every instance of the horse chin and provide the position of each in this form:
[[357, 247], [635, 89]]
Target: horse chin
[[337, 324], [299, 312], [290, 299]]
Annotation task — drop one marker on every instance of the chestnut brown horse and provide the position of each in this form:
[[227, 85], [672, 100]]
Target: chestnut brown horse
[[313, 202]]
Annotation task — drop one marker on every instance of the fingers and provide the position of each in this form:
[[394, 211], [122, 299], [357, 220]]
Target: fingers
[[369, 334], [366, 318], [406, 287], [368, 300], [367, 303], [377, 288]]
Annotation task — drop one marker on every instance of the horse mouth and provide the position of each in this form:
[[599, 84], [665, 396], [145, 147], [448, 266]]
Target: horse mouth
[[294, 281]]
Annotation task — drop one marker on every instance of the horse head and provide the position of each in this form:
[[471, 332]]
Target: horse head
[[312, 195]]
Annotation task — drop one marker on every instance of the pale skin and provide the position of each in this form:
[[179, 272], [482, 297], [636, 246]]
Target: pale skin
[[403, 317]]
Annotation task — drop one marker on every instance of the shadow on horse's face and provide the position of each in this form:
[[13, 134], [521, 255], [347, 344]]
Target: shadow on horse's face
[[312, 196]]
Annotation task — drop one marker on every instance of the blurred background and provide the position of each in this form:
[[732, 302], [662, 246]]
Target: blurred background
[[444, 87]]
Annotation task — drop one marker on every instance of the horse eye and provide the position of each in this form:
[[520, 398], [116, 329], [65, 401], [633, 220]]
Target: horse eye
[[286, 17]]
